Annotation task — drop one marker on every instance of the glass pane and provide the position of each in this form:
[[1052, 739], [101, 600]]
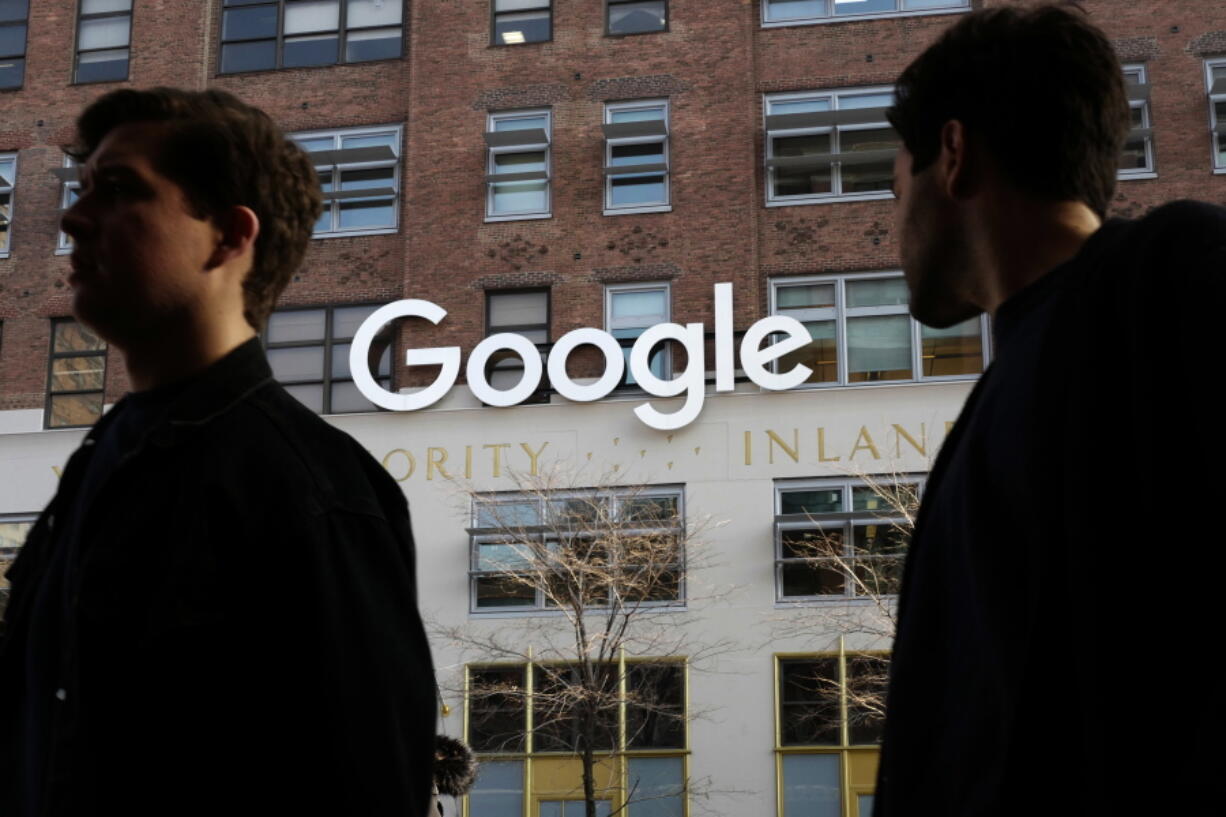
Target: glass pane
[[811, 296], [522, 123], [376, 44], [952, 351], [498, 591], [811, 543], [802, 181], [324, 223], [655, 711], [507, 514], [811, 501], [106, 32], [305, 363], [821, 354], [1134, 155], [14, 10], [877, 576], [527, 27], [629, 191], [641, 308], [813, 579], [518, 308], [811, 786], [249, 23], [12, 73], [873, 176], [4, 220], [347, 399], [867, 678], [636, 115], [13, 534], [6, 172], [809, 695], [863, 6], [658, 784], [884, 539], [808, 145], [317, 143], [347, 319], [372, 140], [864, 805], [12, 40], [795, 9], [519, 5], [503, 556], [654, 509], [529, 162], [78, 373], [879, 348], [314, 15], [75, 409], [103, 6], [340, 362], [317, 50], [362, 13], [499, 790], [641, 154], [71, 336], [368, 215], [259, 56], [878, 100], [519, 197], [779, 107], [102, 66], [298, 324], [877, 292], [912, 5], [311, 396], [636, 18], [891, 498]]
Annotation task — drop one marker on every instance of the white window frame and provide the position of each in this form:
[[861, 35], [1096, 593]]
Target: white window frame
[[843, 521], [839, 313], [493, 150], [610, 291], [611, 108], [333, 203], [1138, 99], [836, 193], [479, 536], [953, 7], [7, 242], [71, 183], [1217, 158]]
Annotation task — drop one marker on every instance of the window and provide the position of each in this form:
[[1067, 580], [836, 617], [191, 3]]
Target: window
[[8, 177], [792, 12], [359, 173], [862, 332], [257, 36], [830, 714], [13, 14], [1137, 160], [1216, 75], [829, 145], [522, 312], [103, 31], [70, 188], [841, 539], [629, 310], [13, 531], [635, 16], [308, 350], [600, 548], [636, 157], [76, 375], [517, 711], [516, 22], [517, 173]]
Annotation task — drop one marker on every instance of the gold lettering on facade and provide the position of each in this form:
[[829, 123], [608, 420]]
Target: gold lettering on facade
[[901, 434], [821, 447], [748, 448], [435, 457], [864, 440], [792, 450], [410, 461], [534, 457], [497, 447], [468, 462]]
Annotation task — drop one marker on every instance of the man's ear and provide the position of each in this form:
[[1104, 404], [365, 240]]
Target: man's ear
[[237, 229], [956, 161]]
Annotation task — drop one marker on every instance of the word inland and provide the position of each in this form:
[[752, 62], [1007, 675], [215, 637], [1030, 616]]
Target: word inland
[[755, 360]]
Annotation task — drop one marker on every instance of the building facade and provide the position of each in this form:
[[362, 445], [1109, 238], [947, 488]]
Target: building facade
[[534, 167]]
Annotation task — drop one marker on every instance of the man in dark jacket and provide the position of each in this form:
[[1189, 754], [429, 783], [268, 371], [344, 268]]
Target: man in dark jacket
[[217, 611], [1059, 602]]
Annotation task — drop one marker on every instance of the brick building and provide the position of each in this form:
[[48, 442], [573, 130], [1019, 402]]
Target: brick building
[[539, 166]]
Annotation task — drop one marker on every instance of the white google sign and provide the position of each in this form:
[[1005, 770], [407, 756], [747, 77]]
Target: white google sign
[[755, 360]]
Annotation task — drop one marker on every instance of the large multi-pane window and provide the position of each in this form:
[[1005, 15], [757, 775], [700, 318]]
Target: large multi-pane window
[[76, 375], [516, 22], [636, 156], [620, 547], [13, 531], [1137, 159], [862, 332], [840, 538], [517, 171], [13, 16], [830, 714], [308, 350], [258, 35], [517, 712], [792, 12], [359, 174], [635, 16], [8, 179], [1215, 71], [521, 312], [630, 309], [825, 145], [104, 30]]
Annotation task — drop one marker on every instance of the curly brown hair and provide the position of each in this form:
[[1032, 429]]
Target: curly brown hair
[[223, 153]]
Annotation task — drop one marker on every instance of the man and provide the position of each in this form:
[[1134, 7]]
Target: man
[[1059, 602], [216, 614]]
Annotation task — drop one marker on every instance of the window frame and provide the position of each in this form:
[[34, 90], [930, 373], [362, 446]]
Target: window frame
[[839, 313], [77, 50], [1217, 126], [70, 184], [494, 15], [610, 142], [828, 18], [333, 202], [836, 193], [328, 344], [342, 38], [608, 18], [665, 349], [478, 536], [1140, 99], [494, 150], [50, 392], [20, 56], [6, 240], [541, 393]]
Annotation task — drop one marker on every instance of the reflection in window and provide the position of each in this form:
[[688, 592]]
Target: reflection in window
[[76, 375], [517, 22], [103, 31], [258, 36], [636, 16]]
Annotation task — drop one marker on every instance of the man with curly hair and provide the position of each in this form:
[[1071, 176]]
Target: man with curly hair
[[217, 610]]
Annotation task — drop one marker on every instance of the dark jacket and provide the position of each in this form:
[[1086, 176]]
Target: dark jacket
[[243, 633]]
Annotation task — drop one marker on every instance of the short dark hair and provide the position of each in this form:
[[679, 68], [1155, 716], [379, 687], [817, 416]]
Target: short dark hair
[[223, 153], [1041, 87]]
